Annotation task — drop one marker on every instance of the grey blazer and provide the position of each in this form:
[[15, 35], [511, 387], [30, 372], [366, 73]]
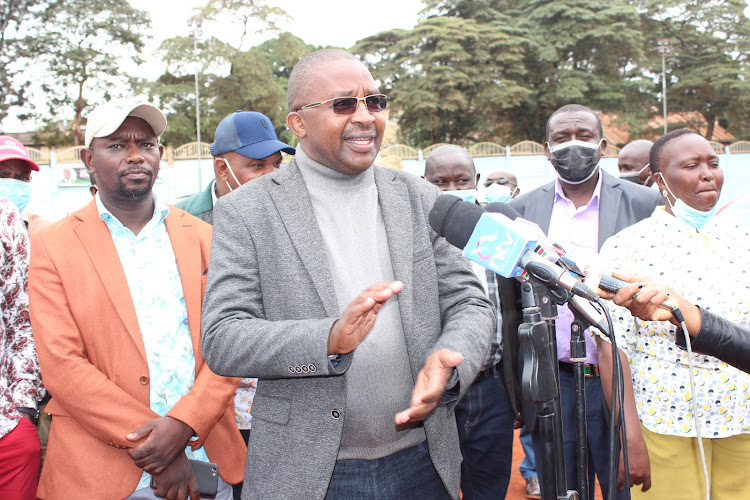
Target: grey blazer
[[270, 304], [622, 204]]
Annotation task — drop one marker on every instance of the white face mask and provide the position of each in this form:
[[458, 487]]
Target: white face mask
[[469, 195], [497, 193], [233, 176]]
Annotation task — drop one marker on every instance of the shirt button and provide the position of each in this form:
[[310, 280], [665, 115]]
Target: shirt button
[[335, 414], [144, 380]]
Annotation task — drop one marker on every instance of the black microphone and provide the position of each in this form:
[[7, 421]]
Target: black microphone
[[501, 245], [605, 281]]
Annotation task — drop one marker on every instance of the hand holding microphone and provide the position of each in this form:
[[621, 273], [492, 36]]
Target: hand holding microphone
[[646, 300]]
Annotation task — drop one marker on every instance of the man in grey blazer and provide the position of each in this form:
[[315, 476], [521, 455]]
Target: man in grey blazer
[[580, 210], [361, 324]]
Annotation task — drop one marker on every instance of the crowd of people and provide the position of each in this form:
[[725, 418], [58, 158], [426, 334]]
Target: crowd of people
[[301, 332]]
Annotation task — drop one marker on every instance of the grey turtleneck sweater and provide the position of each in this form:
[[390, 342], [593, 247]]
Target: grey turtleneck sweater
[[379, 380]]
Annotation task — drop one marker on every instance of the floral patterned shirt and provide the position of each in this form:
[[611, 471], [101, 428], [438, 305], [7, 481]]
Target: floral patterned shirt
[[243, 402], [155, 287], [709, 268], [20, 378]]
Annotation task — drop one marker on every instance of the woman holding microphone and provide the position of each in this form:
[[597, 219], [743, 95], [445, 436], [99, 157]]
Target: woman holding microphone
[[706, 261]]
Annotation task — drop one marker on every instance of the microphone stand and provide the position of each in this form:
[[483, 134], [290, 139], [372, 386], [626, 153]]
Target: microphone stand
[[578, 358], [541, 383]]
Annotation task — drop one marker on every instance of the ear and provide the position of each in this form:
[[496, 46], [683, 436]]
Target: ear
[[296, 124], [476, 181], [546, 150], [161, 151], [87, 157], [220, 169], [659, 180], [603, 146]]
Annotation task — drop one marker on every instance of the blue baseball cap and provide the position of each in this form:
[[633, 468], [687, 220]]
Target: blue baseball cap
[[248, 133]]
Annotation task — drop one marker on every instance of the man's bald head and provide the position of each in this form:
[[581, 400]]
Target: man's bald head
[[450, 168], [301, 79], [633, 158]]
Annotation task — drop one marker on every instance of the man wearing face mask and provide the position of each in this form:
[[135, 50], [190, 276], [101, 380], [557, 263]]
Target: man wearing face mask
[[484, 416], [451, 168], [500, 186], [245, 147], [15, 179], [633, 163], [580, 210]]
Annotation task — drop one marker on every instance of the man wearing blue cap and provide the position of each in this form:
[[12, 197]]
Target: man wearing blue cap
[[245, 147]]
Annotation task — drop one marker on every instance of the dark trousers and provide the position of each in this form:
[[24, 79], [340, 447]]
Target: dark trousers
[[597, 434], [484, 418], [407, 474]]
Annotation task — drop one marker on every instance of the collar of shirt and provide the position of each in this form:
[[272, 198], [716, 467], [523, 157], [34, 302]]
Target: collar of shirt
[[161, 210], [593, 202]]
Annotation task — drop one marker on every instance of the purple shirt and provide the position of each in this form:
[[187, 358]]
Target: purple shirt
[[577, 230]]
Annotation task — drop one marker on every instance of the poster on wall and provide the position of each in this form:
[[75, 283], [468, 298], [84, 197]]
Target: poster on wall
[[72, 175]]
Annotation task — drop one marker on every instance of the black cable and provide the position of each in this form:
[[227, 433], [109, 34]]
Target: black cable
[[617, 419]]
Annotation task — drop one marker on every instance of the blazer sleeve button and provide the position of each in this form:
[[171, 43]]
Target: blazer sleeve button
[[312, 368], [143, 380], [335, 414]]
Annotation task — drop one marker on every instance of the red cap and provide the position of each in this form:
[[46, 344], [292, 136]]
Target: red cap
[[11, 149]]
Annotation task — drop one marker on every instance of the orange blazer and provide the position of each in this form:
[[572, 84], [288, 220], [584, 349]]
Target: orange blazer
[[94, 363]]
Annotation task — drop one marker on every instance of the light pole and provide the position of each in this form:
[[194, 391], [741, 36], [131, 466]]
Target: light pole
[[664, 46], [194, 23]]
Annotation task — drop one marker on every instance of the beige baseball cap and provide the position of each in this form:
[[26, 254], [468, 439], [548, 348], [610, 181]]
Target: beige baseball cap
[[107, 118]]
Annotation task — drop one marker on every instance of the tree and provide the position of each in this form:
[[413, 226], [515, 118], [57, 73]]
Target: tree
[[247, 13], [708, 70], [581, 51], [496, 69], [450, 79], [83, 45], [14, 15]]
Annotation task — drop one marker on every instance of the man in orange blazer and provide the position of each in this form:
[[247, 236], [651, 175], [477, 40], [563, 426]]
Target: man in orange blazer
[[116, 290]]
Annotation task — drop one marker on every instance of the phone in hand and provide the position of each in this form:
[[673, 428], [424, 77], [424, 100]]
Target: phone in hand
[[207, 475]]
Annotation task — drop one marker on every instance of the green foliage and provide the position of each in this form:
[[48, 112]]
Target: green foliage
[[229, 80], [76, 41], [14, 17], [449, 78], [495, 70], [708, 69]]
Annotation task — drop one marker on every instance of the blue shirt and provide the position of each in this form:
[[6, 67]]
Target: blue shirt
[[156, 290]]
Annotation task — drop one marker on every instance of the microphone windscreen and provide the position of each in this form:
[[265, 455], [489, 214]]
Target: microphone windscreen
[[454, 219], [499, 207]]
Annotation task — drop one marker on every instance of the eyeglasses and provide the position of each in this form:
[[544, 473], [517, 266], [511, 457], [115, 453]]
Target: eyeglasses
[[502, 181], [348, 105]]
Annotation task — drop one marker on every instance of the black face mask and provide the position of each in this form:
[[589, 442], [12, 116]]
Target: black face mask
[[575, 161], [634, 178]]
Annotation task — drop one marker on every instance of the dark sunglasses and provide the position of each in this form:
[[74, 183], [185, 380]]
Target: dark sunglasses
[[348, 105], [502, 181]]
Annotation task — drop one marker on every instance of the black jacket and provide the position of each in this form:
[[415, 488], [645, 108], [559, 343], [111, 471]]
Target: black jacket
[[722, 339]]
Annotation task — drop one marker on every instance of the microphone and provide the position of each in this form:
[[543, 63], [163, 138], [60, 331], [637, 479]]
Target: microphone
[[494, 241], [557, 255]]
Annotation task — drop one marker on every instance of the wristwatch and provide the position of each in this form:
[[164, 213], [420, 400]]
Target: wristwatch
[[32, 412]]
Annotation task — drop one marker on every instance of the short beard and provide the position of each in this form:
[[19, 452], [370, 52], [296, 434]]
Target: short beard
[[136, 192]]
